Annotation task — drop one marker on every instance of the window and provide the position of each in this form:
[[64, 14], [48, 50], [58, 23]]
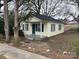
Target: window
[[42, 27], [52, 27], [23, 27], [60, 26], [38, 27], [26, 27]]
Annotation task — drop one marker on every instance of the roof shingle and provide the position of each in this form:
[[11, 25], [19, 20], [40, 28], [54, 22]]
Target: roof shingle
[[44, 17]]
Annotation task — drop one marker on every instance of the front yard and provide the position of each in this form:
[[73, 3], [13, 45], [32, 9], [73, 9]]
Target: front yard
[[61, 46], [54, 47]]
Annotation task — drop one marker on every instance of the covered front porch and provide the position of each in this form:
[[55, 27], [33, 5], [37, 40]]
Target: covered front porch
[[34, 30], [37, 27]]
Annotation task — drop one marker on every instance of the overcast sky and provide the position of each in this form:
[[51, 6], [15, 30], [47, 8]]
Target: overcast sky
[[73, 9]]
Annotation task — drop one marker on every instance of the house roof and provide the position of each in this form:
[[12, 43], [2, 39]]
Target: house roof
[[44, 17]]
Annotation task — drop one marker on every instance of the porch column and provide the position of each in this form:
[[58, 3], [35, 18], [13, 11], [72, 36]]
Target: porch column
[[40, 26]]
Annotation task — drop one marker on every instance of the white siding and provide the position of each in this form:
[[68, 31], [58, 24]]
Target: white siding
[[29, 29], [47, 28], [57, 31]]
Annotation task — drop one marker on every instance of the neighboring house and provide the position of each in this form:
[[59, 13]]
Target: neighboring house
[[42, 26]]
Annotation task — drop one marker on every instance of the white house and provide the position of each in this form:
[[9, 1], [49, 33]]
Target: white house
[[41, 26]]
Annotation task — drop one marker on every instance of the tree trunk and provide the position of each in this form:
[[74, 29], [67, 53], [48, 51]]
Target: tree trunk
[[6, 24], [16, 27]]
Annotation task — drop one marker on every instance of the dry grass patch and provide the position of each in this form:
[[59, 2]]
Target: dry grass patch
[[2, 57]]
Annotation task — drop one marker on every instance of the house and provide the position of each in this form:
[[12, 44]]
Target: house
[[42, 26]]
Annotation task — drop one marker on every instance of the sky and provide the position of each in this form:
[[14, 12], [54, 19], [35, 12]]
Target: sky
[[73, 8]]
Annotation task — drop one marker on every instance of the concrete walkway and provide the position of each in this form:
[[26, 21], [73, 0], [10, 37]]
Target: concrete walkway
[[14, 53]]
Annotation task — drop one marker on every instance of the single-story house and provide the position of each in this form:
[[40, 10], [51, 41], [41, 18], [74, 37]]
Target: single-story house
[[42, 26]]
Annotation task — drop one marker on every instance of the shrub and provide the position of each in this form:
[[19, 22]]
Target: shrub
[[21, 33]]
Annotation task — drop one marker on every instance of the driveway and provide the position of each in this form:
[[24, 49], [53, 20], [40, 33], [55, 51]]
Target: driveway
[[14, 53]]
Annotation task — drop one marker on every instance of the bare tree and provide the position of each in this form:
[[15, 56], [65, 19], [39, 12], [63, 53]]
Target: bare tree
[[16, 29], [6, 24], [46, 7], [49, 7], [36, 6], [17, 4], [76, 19]]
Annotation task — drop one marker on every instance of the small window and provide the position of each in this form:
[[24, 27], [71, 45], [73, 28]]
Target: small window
[[60, 26], [52, 27], [26, 27], [42, 27], [23, 27]]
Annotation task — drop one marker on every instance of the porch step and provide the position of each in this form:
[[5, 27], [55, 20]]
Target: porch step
[[33, 37]]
